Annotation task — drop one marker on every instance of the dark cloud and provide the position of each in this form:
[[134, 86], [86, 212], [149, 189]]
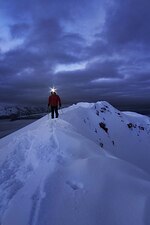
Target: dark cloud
[[128, 22], [110, 38], [45, 31], [95, 82], [99, 48], [104, 69], [19, 30]]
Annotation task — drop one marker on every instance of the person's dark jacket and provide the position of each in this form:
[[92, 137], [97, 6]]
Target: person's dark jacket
[[54, 100]]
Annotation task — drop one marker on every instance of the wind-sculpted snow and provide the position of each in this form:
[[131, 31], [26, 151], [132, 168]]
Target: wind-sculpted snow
[[110, 128], [70, 171]]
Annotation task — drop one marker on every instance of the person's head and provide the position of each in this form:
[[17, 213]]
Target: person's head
[[53, 93]]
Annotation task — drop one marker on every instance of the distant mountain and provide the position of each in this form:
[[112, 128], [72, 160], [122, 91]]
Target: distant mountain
[[88, 167], [14, 112]]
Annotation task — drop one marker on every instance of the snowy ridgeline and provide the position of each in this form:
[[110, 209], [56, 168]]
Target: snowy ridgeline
[[89, 167]]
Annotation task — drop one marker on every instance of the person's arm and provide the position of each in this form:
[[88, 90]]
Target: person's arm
[[49, 101], [59, 101]]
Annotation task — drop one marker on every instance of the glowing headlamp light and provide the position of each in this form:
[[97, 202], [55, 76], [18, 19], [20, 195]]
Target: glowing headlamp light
[[53, 89]]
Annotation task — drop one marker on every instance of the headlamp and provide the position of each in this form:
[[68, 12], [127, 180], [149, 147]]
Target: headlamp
[[53, 89]]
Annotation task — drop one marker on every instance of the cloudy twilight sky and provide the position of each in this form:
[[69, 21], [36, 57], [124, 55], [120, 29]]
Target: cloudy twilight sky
[[90, 50]]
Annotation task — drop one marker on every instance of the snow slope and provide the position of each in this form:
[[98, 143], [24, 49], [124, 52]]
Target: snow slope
[[128, 143], [89, 167]]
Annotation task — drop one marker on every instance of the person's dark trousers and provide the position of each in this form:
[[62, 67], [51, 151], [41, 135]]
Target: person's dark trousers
[[54, 109]]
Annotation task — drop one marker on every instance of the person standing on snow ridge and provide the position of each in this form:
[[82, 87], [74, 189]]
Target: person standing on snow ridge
[[53, 102]]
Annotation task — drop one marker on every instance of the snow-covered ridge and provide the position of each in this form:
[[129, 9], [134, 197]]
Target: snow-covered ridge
[[123, 134], [89, 167]]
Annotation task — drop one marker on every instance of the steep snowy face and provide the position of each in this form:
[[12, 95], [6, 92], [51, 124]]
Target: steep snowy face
[[123, 134]]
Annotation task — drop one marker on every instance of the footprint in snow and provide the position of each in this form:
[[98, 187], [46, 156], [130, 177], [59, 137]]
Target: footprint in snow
[[74, 185]]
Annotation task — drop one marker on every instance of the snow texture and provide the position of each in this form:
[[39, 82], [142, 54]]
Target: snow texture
[[89, 167]]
